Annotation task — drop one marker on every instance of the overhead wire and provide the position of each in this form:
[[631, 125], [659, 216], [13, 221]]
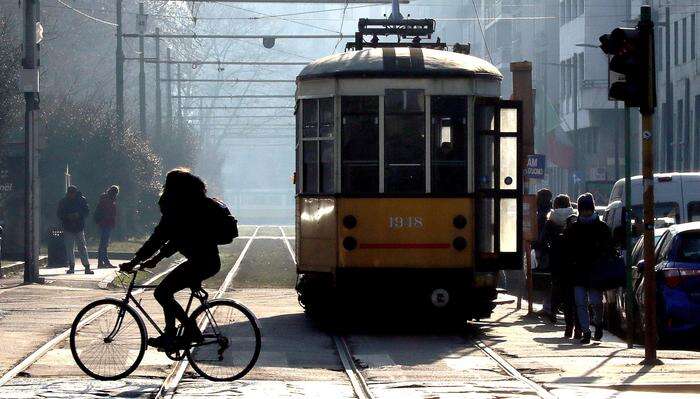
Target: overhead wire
[[481, 28], [342, 22], [102, 21]]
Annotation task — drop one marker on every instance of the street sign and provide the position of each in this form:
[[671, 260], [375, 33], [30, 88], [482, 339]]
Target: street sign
[[535, 167]]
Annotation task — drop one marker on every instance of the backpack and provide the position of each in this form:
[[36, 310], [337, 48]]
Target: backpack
[[222, 224]]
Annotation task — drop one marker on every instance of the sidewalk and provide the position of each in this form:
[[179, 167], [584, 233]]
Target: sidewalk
[[32, 314], [541, 353]]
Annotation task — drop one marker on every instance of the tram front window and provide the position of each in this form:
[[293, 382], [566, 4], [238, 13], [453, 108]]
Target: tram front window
[[317, 146], [360, 144], [404, 141], [449, 144]]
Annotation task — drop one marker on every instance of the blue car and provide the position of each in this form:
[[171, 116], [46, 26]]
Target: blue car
[[677, 280]]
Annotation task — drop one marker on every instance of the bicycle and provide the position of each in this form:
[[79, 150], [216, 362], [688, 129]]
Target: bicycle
[[108, 337]]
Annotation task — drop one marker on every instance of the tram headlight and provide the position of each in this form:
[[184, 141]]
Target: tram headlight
[[350, 222], [459, 222], [459, 243], [350, 243]]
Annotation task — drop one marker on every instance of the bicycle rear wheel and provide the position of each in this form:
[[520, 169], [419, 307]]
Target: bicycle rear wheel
[[108, 339], [232, 341]]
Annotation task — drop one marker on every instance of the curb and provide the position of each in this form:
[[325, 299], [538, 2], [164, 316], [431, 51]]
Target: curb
[[19, 266]]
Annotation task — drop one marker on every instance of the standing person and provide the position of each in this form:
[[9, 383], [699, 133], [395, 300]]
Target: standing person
[[544, 205], [72, 211], [559, 218], [588, 242], [106, 218]]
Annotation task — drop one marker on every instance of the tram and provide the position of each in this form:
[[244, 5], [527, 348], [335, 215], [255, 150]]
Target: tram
[[408, 181]]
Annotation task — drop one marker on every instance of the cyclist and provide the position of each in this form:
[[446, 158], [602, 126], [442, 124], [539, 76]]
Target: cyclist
[[183, 228]]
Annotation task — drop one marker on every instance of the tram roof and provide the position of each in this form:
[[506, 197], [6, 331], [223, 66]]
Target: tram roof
[[400, 62]]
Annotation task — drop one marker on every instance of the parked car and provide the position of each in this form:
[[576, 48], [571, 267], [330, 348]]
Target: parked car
[[676, 200], [677, 268]]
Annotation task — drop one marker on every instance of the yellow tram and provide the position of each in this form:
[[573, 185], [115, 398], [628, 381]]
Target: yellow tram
[[408, 182]]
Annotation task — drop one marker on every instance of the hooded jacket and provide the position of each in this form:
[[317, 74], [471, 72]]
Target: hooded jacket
[[553, 240], [587, 242]]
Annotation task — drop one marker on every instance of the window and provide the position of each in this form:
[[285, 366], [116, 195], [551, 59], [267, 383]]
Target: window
[[665, 214], [404, 141], [675, 42], [685, 39], [664, 246], [317, 146], [449, 144], [689, 247], [694, 211], [660, 48], [692, 37], [562, 14], [360, 145]]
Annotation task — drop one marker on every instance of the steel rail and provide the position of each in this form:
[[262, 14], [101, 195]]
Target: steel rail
[[357, 380], [359, 384], [37, 354], [172, 380], [512, 371]]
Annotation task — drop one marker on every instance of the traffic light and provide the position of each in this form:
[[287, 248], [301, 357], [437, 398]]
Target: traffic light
[[630, 51]]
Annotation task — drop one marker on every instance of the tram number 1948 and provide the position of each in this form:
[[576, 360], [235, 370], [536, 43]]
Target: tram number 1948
[[405, 222]]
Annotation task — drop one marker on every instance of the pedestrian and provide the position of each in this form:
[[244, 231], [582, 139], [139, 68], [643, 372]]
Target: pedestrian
[[544, 205], [588, 242], [105, 217], [562, 295], [72, 211]]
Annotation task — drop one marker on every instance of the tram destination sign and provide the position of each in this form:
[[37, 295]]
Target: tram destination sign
[[535, 166]]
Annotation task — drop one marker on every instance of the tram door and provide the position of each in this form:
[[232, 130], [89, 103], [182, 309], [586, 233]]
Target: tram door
[[498, 184]]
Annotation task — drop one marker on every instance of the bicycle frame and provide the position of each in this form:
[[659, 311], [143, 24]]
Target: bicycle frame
[[200, 294]]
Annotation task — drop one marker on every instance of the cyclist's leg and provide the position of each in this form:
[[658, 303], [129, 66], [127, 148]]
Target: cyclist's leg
[[175, 281]]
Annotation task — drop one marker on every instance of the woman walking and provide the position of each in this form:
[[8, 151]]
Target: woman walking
[[588, 242]]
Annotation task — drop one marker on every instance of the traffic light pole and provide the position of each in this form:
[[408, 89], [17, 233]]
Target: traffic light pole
[[142, 73], [629, 297], [120, 71], [646, 30]]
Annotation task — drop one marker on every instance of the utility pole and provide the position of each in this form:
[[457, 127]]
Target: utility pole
[[646, 32], [30, 83], [631, 52], [120, 71], [169, 96], [668, 108], [159, 104], [179, 99], [142, 72]]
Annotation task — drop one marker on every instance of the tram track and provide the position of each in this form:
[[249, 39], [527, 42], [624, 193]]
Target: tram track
[[53, 342], [172, 380]]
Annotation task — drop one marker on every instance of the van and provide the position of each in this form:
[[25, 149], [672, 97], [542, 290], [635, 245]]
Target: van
[[676, 200]]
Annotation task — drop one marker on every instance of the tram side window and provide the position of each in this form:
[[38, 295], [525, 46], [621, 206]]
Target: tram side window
[[360, 144], [317, 146], [449, 144], [404, 141]]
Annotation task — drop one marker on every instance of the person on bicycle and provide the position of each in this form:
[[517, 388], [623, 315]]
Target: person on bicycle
[[183, 228]]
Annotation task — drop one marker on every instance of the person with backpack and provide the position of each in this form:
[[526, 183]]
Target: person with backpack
[[588, 244], [72, 211], [194, 225], [105, 217], [562, 295]]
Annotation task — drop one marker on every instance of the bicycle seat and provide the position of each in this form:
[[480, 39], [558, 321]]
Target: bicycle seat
[[199, 292]]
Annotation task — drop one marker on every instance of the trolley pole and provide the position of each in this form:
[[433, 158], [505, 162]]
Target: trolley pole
[[30, 83], [142, 71], [120, 71]]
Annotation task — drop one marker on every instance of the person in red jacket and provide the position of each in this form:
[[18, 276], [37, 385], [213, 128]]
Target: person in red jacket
[[106, 219]]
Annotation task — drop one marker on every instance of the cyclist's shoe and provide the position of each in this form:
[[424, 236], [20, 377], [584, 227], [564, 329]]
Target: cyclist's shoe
[[165, 343], [193, 334]]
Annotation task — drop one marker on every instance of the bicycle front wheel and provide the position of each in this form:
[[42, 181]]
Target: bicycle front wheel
[[232, 341], [108, 339]]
